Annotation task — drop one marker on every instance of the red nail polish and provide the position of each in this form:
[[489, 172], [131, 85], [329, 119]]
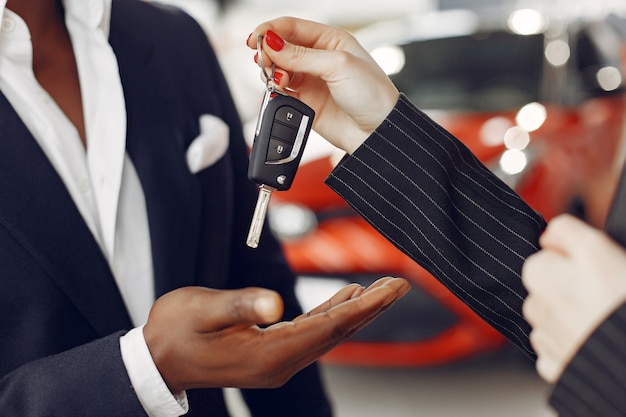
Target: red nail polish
[[274, 41], [277, 77]]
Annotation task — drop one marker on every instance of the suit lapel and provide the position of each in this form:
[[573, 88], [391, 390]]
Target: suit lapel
[[157, 138], [37, 209]]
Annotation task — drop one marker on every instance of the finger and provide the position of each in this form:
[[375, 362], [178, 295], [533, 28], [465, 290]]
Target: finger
[[281, 78], [306, 340], [546, 279], [308, 34], [217, 310], [297, 30], [544, 311], [529, 309], [339, 319], [350, 291], [548, 369], [400, 288], [568, 235], [385, 280], [373, 301], [545, 346], [322, 56], [541, 269], [344, 294]]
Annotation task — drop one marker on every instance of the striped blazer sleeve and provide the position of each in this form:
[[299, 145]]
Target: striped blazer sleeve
[[594, 382], [428, 194]]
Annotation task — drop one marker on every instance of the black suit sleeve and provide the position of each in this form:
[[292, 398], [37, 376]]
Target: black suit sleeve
[[89, 380], [427, 193], [594, 382]]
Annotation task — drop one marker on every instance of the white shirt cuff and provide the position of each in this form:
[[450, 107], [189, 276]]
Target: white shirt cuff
[[153, 393]]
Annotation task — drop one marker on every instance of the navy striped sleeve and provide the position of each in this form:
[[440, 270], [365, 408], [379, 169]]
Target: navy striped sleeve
[[594, 382], [427, 193]]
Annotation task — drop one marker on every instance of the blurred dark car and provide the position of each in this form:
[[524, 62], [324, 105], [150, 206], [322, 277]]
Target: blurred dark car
[[542, 107]]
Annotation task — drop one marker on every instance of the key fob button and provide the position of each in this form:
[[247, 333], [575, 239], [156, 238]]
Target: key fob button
[[289, 116], [278, 150], [284, 133]]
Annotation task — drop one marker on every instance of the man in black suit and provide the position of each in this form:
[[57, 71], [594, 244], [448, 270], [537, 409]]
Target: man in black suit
[[123, 179], [430, 196]]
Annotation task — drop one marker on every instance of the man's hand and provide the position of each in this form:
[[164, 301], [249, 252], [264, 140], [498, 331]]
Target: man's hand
[[201, 338], [574, 283]]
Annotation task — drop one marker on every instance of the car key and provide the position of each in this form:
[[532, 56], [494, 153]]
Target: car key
[[281, 133]]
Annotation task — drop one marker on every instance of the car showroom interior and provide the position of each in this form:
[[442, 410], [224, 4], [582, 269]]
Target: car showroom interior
[[453, 244]]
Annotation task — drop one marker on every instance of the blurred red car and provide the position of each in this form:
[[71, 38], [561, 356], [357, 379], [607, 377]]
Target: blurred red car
[[544, 110]]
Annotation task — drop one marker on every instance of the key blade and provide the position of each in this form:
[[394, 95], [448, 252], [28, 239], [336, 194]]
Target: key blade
[[258, 218]]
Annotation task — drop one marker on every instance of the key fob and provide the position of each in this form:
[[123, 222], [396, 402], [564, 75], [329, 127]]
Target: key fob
[[282, 131]]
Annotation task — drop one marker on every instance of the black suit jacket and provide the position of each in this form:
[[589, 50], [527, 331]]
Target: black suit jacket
[[428, 194], [61, 314]]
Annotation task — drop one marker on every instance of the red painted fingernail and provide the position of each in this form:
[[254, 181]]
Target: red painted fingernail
[[274, 41], [277, 77]]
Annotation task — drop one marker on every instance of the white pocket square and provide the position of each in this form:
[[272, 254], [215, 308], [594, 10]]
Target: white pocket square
[[210, 145]]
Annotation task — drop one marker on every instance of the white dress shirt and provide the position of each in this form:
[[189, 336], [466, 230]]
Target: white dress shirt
[[101, 179]]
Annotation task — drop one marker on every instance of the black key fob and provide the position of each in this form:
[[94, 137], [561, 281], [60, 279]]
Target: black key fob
[[282, 131]]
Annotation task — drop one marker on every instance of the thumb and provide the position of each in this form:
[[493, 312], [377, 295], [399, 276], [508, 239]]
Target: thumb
[[244, 306], [569, 236], [209, 310]]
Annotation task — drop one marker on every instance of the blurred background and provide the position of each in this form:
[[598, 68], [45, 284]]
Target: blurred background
[[534, 88]]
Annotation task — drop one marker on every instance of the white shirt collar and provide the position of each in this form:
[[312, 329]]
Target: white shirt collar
[[92, 13], [103, 99]]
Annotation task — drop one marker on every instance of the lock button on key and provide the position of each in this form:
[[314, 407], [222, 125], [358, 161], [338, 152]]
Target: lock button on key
[[289, 116], [278, 150]]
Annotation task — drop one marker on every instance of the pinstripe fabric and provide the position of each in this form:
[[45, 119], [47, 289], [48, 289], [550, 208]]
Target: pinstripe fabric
[[594, 383], [427, 193]]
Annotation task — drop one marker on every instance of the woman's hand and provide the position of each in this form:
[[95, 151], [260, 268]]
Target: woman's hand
[[329, 70], [575, 282]]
